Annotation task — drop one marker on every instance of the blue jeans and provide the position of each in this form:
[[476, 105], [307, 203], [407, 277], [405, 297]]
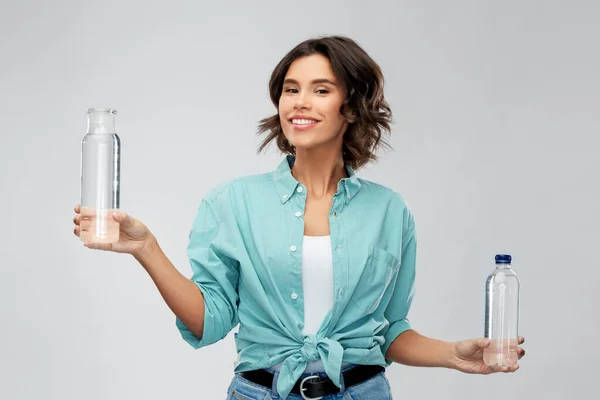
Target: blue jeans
[[374, 388]]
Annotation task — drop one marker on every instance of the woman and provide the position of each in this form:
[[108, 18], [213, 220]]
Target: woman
[[315, 264]]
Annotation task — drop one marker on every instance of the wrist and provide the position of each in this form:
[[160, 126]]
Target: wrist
[[148, 249], [450, 359]]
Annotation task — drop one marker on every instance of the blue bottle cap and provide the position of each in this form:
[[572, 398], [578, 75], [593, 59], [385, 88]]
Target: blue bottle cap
[[503, 259]]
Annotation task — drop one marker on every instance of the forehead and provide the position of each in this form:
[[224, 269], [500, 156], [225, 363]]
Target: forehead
[[311, 67]]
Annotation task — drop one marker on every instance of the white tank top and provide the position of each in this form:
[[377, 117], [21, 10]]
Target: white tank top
[[317, 283]]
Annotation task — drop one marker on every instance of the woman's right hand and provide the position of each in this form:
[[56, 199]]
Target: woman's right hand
[[134, 236]]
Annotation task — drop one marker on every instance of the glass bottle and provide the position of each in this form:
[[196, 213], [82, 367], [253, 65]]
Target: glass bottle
[[100, 177]]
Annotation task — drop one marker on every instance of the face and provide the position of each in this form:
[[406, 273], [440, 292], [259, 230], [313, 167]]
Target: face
[[309, 106]]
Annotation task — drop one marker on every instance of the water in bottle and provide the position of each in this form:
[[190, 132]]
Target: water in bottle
[[100, 177], [501, 314]]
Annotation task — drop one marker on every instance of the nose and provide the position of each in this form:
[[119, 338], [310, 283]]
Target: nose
[[301, 101]]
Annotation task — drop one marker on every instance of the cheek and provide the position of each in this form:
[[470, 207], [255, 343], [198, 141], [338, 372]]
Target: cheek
[[333, 114], [331, 108], [282, 110], [284, 105]]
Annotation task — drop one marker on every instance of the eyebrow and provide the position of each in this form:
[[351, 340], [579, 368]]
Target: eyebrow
[[313, 82]]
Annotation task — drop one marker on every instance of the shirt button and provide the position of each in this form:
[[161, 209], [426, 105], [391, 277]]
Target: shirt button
[[340, 292], [335, 213], [294, 296], [339, 247], [298, 213], [292, 248], [300, 189]]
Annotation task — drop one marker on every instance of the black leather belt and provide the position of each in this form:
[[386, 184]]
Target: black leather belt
[[317, 387]]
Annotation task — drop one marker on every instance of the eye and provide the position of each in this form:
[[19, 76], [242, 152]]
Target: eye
[[291, 90], [322, 91]]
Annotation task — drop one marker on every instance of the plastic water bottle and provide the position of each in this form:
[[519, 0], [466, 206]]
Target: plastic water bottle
[[100, 177], [502, 314]]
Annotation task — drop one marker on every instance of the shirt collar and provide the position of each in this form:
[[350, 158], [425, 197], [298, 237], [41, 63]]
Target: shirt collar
[[287, 185]]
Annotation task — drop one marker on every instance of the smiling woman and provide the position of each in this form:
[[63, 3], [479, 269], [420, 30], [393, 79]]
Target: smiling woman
[[331, 91], [316, 264]]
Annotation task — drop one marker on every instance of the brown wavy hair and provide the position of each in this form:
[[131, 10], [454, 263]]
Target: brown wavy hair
[[364, 103]]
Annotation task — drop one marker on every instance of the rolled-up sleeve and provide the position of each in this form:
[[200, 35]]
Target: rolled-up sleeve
[[404, 289], [216, 276]]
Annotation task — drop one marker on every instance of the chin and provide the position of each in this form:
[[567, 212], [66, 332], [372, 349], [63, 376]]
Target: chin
[[300, 146]]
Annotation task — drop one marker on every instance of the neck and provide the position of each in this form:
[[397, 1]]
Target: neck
[[319, 170]]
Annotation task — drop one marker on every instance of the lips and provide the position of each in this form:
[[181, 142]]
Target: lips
[[302, 117], [303, 124], [303, 121]]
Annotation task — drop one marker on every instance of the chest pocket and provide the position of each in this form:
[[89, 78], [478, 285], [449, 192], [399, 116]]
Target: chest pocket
[[379, 270]]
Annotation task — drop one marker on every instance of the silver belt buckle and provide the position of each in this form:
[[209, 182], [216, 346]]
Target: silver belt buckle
[[302, 390]]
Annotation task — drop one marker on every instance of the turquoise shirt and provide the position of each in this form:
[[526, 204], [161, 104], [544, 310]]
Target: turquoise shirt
[[245, 250]]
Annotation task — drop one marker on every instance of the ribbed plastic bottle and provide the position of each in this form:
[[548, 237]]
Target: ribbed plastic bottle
[[502, 314], [100, 177]]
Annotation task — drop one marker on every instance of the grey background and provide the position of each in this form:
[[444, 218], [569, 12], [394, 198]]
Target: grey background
[[496, 150]]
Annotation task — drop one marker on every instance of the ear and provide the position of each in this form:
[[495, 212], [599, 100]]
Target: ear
[[352, 118]]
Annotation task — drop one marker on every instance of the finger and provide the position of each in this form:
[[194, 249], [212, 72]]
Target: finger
[[521, 340], [506, 369], [77, 208], [125, 220], [520, 352], [122, 218], [498, 368], [77, 219], [76, 231], [98, 246], [85, 224], [483, 342]]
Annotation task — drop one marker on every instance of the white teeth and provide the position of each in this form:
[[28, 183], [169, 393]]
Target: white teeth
[[303, 121]]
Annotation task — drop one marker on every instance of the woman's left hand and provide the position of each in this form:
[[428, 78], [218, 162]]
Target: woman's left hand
[[467, 356]]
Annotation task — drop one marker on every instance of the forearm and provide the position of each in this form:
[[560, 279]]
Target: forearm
[[414, 349], [182, 295]]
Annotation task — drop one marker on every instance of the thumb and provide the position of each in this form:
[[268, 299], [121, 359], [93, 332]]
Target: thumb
[[122, 218], [483, 342]]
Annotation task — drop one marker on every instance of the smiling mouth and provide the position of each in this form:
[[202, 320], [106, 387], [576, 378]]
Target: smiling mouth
[[303, 122]]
